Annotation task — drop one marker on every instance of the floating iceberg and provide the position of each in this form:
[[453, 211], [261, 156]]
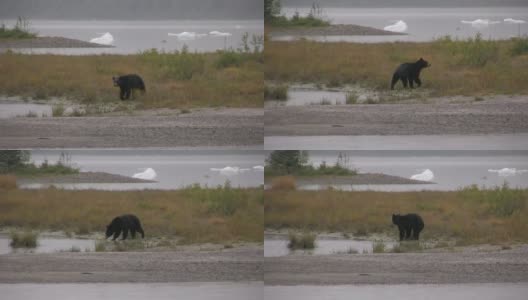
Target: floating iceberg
[[105, 39], [148, 174], [218, 33], [426, 175], [187, 36], [258, 168], [480, 23], [229, 171], [399, 26], [506, 172], [514, 21]]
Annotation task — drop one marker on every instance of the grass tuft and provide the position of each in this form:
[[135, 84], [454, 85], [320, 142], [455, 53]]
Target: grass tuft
[[301, 241], [278, 92], [379, 246], [26, 239]]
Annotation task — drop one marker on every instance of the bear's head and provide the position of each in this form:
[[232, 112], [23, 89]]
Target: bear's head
[[421, 63], [395, 219], [109, 230], [115, 80]]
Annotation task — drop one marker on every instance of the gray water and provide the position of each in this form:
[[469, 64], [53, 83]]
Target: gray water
[[130, 37], [424, 23], [175, 168], [300, 96], [488, 291], [452, 169], [132, 291], [13, 109], [48, 245], [278, 246], [518, 141]]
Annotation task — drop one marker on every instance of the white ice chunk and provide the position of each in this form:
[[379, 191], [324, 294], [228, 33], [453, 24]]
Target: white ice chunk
[[229, 171], [258, 168], [506, 172], [480, 23], [399, 26], [105, 39], [514, 21], [187, 36], [218, 33], [147, 174], [426, 175]]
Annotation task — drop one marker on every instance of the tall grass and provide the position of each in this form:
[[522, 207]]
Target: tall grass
[[471, 215], [21, 30], [301, 241], [7, 182], [194, 214], [458, 67], [173, 80]]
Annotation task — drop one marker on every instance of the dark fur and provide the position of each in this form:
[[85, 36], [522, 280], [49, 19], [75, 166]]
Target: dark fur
[[127, 83], [409, 73], [124, 224], [407, 224]]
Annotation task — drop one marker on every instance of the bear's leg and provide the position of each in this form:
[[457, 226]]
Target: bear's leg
[[411, 83], [133, 233], [404, 80], [418, 81], [122, 93], [127, 96], [116, 234], [408, 233], [395, 79], [125, 233], [402, 233], [140, 230]]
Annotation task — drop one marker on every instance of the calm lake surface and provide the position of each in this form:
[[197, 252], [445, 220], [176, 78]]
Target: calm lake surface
[[130, 37], [175, 168], [452, 169], [424, 23], [132, 291], [489, 291]]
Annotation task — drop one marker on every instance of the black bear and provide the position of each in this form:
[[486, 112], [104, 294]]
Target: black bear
[[123, 224], [127, 83], [408, 223], [409, 73]]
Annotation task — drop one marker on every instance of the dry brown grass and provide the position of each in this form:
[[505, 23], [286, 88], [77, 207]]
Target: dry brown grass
[[456, 66], [283, 183], [238, 82], [7, 182], [195, 214], [470, 216]]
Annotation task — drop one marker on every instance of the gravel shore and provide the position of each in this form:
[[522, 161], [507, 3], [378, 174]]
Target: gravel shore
[[336, 30], [240, 264], [399, 268], [48, 42], [499, 115], [227, 127], [82, 177]]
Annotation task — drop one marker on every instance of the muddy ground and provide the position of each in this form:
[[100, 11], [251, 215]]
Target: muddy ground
[[495, 115], [236, 264], [226, 127], [472, 265]]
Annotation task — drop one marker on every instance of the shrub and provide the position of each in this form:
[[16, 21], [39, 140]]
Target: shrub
[[283, 183], [26, 239], [57, 110], [378, 246], [520, 46], [278, 92], [302, 241], [351, 98], [100, 246], [21, 30]]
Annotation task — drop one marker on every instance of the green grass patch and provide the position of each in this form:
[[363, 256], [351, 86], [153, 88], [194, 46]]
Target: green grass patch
[[379, 246], [276, 92], [21, 30], [25, 239], [314, 18]]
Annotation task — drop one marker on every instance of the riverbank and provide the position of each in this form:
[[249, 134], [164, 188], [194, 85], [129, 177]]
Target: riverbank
[[364, 178], [82, 177], [47, 42], [330, 30]]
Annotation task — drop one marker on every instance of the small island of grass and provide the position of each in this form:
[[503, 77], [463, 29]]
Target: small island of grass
[[21, 30], [295, 163]]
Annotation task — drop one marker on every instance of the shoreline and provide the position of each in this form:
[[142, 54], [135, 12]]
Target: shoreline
[[48, 42], [360, 179], [331, 30], [81, 177]]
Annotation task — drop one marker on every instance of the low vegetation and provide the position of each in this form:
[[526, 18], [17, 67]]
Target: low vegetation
[[301, 241], [274, 18], [17, 162], [193, 214], [469, 67], [27, 239], [294, 162], [21, 30], [276, 92], [468, 216], [180, 79]]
